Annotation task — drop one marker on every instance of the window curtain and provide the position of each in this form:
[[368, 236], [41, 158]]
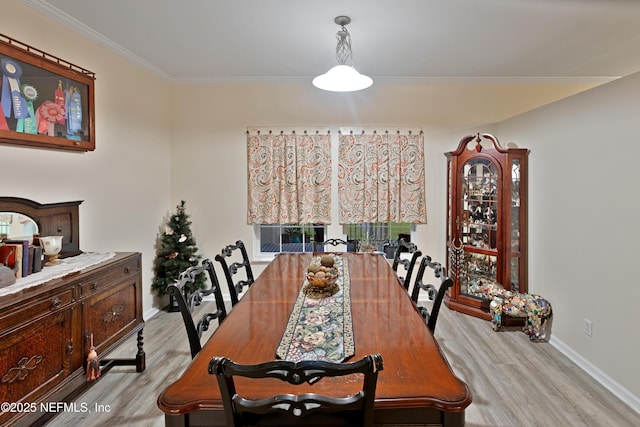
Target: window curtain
[[289, 176], [381, 177]]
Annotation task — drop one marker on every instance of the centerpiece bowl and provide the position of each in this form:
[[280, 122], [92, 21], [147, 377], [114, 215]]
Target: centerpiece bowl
[[322, 273], [323, 278]]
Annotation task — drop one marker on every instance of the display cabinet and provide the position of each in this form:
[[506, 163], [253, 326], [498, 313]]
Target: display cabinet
[[47, 102], [486, 221]]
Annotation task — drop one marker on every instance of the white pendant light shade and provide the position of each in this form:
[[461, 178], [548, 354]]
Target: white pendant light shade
[[342, 78]]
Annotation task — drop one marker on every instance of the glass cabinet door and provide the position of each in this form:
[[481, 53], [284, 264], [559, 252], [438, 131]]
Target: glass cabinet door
[[516, 232], [477, 267], [478, 228], [479, 203]]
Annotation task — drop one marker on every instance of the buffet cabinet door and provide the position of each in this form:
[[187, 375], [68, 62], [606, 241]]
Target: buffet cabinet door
[[34, 358], [110, 314]]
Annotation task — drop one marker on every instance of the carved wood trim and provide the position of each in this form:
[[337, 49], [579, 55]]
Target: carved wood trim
[[20, 372], [113, 314]]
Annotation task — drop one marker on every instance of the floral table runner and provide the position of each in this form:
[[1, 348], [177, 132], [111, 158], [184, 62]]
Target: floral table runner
[[320, 326]]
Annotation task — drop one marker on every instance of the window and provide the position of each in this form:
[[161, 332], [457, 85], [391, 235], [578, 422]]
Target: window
[[276, 238], [379, 235]]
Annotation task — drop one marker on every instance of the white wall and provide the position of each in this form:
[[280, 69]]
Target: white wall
[[583, 216], [126, 182]]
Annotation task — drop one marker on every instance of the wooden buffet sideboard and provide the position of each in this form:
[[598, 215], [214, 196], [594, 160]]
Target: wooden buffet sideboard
[[45, 332]]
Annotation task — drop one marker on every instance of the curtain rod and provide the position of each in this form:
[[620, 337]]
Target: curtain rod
[[287, 130], [270, 130], [363, 131], [375, 132], [282, 132]]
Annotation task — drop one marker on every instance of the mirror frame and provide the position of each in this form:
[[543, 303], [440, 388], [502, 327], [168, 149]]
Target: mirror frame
[[52, 219]]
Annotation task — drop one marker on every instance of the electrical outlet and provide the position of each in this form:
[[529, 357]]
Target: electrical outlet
[[588, 327]]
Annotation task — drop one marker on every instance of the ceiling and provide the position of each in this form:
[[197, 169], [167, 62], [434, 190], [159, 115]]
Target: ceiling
[[558, 41]]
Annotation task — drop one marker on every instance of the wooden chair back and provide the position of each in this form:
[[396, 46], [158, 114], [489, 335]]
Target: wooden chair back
[[233, 260], [188, 296], [436, 294], [321, 246], [408, 264], [299, 409]]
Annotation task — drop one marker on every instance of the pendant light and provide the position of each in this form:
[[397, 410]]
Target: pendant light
[[343, 77]]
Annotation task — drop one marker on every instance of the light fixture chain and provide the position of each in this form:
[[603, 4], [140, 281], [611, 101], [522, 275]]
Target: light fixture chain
[[343, 49]]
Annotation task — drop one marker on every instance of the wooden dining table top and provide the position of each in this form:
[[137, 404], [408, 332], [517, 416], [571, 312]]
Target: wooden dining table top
[[416, 374]]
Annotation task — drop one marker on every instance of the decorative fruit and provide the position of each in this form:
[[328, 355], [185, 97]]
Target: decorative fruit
[[327, 260], [314, 268]]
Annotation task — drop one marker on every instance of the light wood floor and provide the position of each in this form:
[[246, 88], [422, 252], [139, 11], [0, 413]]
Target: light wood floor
[[514, 382]]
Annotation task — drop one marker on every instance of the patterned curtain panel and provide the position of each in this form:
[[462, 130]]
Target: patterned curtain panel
[[289, 177], [381, 177]]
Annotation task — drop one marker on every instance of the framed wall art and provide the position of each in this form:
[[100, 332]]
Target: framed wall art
[[45, 101]]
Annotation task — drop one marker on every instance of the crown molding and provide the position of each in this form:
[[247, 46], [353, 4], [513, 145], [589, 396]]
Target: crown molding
[[48, 10]]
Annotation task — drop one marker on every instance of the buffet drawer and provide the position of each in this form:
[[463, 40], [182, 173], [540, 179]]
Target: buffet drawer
[[99, 282], [23, 313]]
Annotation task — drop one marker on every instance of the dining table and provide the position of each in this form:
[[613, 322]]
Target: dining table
[[416, 386]]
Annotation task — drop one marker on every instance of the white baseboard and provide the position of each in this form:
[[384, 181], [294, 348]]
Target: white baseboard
[[150, 313], [618, 390], [226, 298], [155, 310]]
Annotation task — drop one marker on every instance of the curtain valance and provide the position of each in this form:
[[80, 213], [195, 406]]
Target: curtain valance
[[289, 176], [381, 176]]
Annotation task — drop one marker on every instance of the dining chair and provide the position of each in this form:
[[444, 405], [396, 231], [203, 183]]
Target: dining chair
[[408, 264], [434, 294], [188, 296], [321, 246], [299, 409], [234, 259]]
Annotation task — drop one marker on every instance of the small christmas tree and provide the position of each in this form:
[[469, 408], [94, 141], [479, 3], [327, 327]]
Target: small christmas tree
[[176, 252]]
